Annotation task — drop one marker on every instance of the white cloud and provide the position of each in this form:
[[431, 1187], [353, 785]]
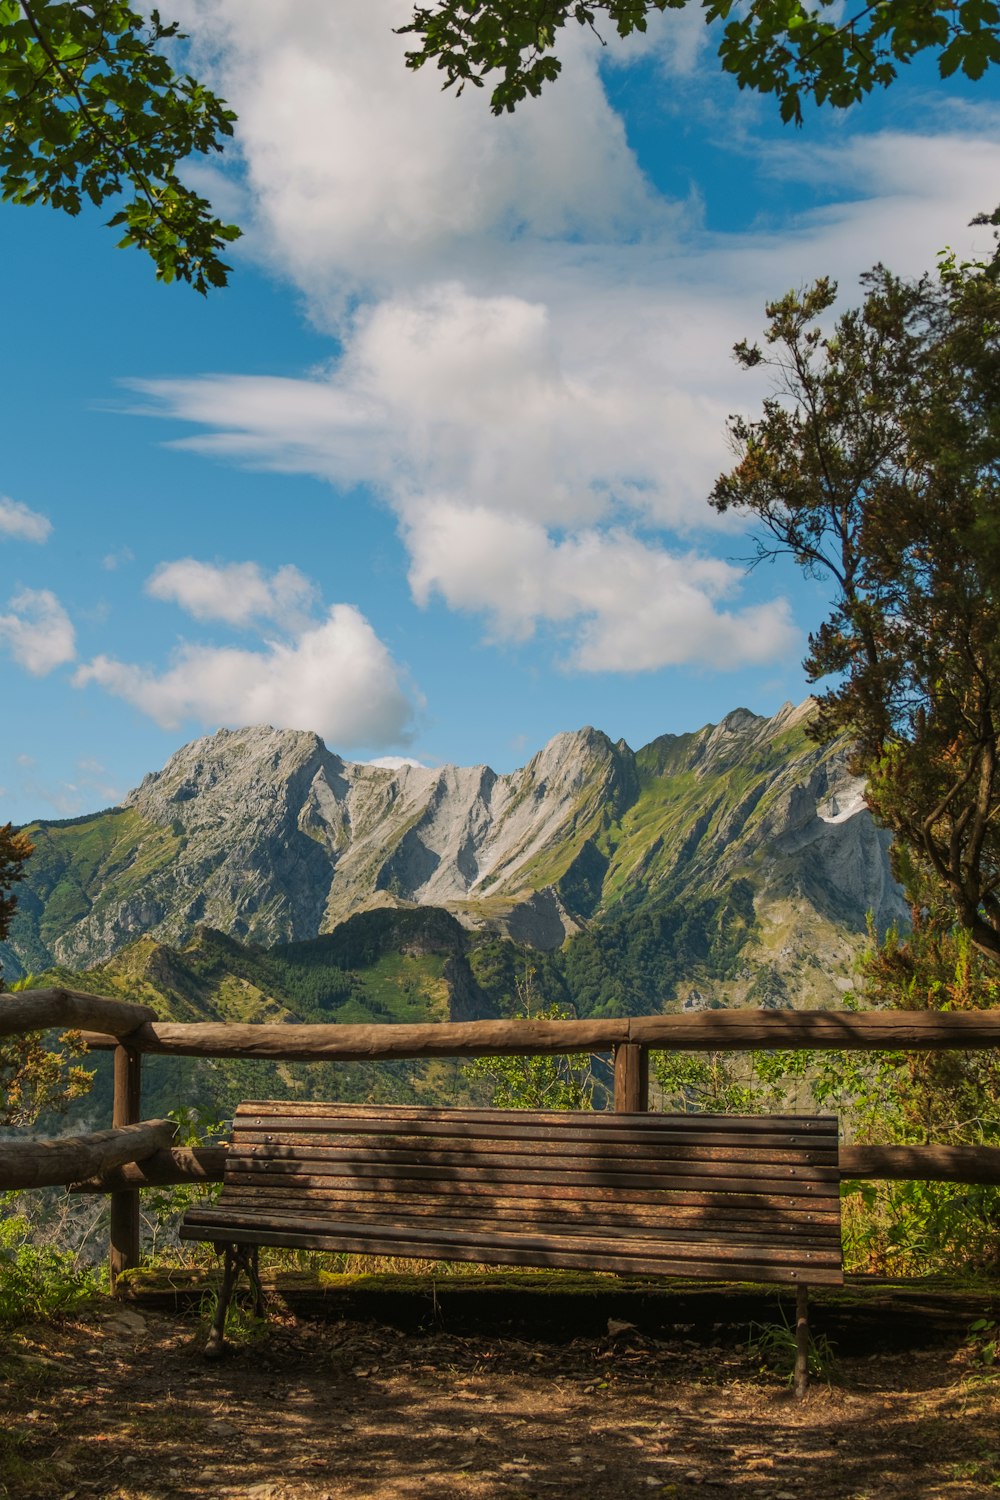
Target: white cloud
[[395, 763], [358, 169], [21, 523], [633, 606], [336, 678], [112, 561], [534, 364], [38, 633], [236, 593]]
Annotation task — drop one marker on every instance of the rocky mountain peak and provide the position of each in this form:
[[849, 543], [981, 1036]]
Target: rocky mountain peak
[[219, 774], [268, 836]]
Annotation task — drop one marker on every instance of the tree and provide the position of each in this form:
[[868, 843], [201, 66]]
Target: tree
[[91, 109], [876, 463], [33, 1079], [15, 848], [788, 49]]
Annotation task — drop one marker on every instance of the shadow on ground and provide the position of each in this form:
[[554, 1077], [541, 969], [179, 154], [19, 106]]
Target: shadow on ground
[[503, 1396]]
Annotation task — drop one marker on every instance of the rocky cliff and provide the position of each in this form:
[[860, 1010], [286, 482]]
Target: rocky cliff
[[270, 837]]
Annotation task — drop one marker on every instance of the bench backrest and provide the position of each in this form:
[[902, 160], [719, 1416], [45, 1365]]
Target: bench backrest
[[740, 1198]]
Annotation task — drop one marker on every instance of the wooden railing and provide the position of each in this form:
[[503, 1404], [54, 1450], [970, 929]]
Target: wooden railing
[[137, 1154]]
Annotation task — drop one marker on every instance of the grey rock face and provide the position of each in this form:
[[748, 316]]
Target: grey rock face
[[268, 836]]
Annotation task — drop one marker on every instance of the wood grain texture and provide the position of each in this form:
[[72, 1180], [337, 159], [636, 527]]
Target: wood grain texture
[[671, 1194], [972, 1164], [979, 1164], [33, 1164], [69, 1010], [191, 1164], [124, 1228], [706, 1031]]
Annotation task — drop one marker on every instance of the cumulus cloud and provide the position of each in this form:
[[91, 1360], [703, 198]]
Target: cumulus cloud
[[356, 167], [469, 414], [533, 364], [22, 523], [634, 606], [236, 593], [38, 633], [396, 763], [335, 677]]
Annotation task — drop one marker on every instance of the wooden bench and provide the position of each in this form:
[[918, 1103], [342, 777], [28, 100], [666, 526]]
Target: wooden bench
[[710, 1196]]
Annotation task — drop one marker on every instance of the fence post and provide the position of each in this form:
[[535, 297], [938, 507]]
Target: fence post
[[631, 1078], [127, 1110]]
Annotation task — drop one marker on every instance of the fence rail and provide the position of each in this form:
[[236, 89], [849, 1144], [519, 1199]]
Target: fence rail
[[198, 1164], [705, 1031], [35, 1164], [137, 1154]]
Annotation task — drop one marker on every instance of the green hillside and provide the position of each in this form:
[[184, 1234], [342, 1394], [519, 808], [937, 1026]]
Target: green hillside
[[389, 966]]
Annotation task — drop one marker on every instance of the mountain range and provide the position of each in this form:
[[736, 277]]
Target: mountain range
[[745, 837]]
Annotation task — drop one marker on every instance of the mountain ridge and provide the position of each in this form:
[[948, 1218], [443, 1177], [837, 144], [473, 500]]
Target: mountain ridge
[[270, 837]]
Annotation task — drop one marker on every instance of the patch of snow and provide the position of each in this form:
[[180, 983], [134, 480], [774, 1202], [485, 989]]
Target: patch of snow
[[842, 805]]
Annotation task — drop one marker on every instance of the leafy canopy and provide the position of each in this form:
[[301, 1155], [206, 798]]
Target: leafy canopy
[[91, 109], [782, 47], [876, 464]]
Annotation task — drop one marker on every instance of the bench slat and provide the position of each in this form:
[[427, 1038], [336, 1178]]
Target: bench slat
[[794, 1181], [296, 1175], [612, 1211], [487, 1235], [546, 1134], [764, 1229], [508, 1153], [373, 1243], [386, 1117]]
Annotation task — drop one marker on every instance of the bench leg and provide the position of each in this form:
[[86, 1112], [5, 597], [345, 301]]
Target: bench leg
[[253, 1276], [801, 1340], [215, 1347], [238, 1258]]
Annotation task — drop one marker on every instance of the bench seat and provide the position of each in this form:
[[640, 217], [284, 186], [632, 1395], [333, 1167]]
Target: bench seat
[[735, 1198]]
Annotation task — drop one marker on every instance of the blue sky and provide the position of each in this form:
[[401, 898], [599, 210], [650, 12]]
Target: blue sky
[[429, 477]]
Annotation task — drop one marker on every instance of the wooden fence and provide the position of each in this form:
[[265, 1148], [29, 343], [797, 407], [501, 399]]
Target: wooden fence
[[136, 1153]]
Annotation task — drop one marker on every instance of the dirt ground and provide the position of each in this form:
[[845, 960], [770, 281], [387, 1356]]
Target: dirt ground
[[117, 1403]]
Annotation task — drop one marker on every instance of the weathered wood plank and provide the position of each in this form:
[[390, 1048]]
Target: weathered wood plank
[[706, 1269], [34, 1164], [794, 1179], [191, 1164], [974, 1164], [69, 1010], [761, 1228], [807, 1220], [419, 1118], [487, 1237], [789, 1197], [700, 1032], [569, 1156]]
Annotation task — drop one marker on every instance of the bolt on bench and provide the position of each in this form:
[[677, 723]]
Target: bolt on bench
[[734, 1198]]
